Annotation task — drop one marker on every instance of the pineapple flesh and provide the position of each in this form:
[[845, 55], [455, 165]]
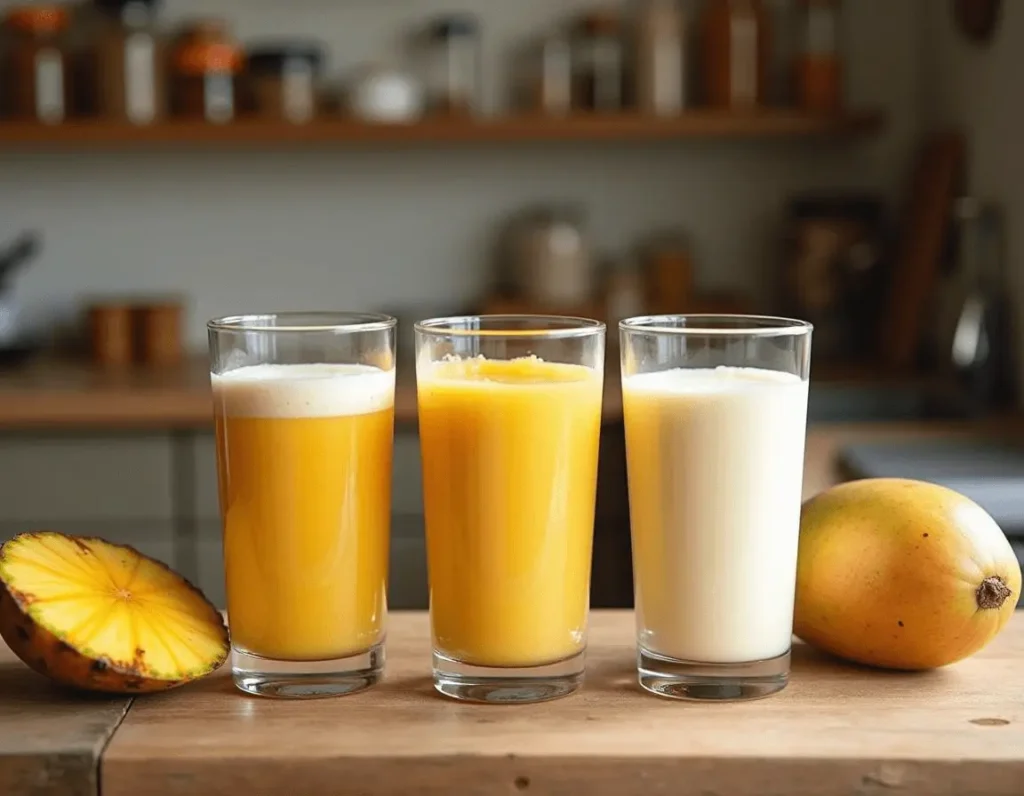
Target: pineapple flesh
[[99, 616]]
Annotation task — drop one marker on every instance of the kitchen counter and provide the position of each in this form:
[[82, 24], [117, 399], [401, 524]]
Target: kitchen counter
[[69, 394], [837, 729]]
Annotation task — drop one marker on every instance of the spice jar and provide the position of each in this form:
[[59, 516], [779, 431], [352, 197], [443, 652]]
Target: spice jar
[[454, 65], [735, 53], [546, 68], [661, 58], [110, 332], [599, 58], [206, 65], [283, 80], [37, 71], [158, 327], [129, 63], [819, 65]]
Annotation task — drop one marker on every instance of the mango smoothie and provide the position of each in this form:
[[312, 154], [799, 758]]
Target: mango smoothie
[[304, 458], [509, 454]]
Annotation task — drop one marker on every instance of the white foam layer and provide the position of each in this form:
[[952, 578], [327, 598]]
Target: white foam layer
[[690, 381], [319, 390]]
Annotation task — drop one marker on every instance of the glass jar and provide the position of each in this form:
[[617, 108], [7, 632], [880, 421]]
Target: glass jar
[[128, 64], [735, 53], [283, 81], [544, 72], [39, 85], [206, 67], [454, 65], [661, 58], [819, 64], [599, 63]]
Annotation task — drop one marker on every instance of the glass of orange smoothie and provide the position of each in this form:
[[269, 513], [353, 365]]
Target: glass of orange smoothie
[[304, 420], [510, 423]]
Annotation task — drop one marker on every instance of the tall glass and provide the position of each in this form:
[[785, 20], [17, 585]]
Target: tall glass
[[304, 411], [510, 423], [715, 417]]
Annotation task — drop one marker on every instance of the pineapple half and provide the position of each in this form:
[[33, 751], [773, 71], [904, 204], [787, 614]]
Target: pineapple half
[[99, 616]]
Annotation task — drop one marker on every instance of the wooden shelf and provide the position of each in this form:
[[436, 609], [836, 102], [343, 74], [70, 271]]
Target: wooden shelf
[[516, 129]]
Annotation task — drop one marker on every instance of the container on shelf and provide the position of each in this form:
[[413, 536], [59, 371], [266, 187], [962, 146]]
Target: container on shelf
[[661, 58], [385, 94], [111, 334], [546, 76], [551, 259], [666, 262], [158, 330], [735, 53], [128, 63], [38, 78], [454, 65], [819, 68], [599, 63], [283, 80], [207, 63]]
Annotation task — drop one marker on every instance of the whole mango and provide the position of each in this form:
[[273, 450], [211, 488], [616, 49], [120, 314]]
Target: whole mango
[[902, 574]]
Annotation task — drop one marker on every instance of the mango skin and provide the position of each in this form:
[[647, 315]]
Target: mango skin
[[889, 574]]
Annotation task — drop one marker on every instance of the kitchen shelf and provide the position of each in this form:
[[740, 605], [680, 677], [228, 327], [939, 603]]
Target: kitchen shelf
[[89, 134]]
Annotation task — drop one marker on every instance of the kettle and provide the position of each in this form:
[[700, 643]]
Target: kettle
[[13, 257]]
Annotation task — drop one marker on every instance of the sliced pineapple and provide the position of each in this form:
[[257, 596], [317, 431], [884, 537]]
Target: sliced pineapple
[[99, 616]]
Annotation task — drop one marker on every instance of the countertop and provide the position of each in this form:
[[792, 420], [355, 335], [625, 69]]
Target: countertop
[[67, 393], [837, 729], [71, 394]]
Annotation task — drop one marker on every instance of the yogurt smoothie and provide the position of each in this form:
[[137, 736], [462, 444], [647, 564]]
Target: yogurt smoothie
[[715, 464]]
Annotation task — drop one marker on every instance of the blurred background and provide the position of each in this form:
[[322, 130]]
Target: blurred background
[[852, 163]]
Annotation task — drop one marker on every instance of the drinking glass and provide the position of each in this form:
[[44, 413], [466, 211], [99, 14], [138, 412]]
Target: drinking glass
[[715, 411], [510, 423], [304, 418]]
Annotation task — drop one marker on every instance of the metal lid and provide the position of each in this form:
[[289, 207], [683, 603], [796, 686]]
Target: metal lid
[[272, 56]]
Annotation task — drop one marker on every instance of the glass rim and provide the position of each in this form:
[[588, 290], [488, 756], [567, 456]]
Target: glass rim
[[303, 321], [547, 327], [710, 325]]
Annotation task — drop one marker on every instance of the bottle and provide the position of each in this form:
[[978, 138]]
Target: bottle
[[661, 58], [735, 53]]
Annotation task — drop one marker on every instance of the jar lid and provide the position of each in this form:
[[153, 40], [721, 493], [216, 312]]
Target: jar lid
[[452, 25], [271, 57], [206, 28], [38, 19], [601, 23], [118, 7], [200, 57]]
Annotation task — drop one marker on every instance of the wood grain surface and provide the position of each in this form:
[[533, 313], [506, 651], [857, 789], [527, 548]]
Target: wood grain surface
[[837, 729], [50, 740]]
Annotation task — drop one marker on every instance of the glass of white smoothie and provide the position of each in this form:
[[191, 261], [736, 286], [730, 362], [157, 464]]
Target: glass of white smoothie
[[715, 411]]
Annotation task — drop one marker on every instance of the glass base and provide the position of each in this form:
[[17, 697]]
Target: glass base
[[712, 682], [508, 686], [307, 679]]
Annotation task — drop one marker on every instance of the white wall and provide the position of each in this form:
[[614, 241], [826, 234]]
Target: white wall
[[366, 228], [978, 89]]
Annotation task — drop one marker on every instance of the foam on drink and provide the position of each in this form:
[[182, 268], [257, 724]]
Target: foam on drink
[[290, 391]]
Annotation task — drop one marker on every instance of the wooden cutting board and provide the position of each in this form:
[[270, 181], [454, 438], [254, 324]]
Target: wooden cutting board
[[936, 181]]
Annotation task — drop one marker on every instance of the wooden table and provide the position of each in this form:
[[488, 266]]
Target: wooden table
[[837, 729]]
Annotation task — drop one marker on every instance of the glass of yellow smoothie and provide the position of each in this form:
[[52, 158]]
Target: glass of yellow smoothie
[[304, 420], [510, 423], [715, 411]]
